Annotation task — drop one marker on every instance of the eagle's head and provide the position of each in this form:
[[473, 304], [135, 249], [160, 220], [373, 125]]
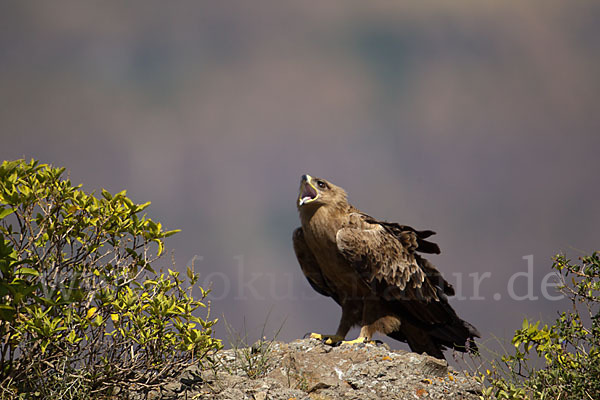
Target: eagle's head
[[316, 192]]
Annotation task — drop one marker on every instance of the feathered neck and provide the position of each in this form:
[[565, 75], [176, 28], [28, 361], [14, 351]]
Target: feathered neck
[[323, 222]]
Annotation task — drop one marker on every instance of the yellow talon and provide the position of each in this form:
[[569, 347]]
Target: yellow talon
[[360, 339], [356, 341], [329, 339], [334, 340]]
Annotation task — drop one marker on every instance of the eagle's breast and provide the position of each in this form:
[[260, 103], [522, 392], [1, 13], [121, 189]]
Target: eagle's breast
[[320, 232]]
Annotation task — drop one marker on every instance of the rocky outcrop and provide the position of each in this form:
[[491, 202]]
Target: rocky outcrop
[[308, 369]]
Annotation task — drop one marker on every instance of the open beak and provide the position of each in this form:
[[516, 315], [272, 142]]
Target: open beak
[[308, 192]]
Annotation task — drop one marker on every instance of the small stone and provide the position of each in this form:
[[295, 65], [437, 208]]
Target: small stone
[[190, 376], [433, 366], [319, 386], [171, 389], [260, 396], [153, 395]]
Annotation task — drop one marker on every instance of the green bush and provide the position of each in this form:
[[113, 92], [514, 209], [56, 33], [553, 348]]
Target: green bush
[[568, 350], [82, 312]]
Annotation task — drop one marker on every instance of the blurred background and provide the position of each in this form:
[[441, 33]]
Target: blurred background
[[479, 120]]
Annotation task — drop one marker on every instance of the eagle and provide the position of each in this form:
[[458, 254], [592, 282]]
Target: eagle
[[375, 271]]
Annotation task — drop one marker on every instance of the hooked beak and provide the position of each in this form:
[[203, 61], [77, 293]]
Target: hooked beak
[[308, 192]]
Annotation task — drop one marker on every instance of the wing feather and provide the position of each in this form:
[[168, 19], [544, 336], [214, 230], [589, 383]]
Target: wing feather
[[385, 257], [423, 246]]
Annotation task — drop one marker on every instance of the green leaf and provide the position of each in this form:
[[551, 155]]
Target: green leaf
[[27, 271], [106, 194], [171, 233], [90, 313], [141, 207], [4, 212], [160, 246]]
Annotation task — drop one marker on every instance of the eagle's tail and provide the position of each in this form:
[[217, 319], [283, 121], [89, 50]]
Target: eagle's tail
[[433, 327]]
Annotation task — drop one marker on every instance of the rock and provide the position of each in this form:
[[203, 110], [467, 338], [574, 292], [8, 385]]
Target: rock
[[191, 375], [310, 370], [170, 390]]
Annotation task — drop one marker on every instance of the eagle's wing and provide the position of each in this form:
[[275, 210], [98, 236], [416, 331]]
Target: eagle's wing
[[310, 266], [385, 257], [423, 246]]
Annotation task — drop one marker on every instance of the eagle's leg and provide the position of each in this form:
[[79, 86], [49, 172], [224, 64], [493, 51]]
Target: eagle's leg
[[369, 323], [346, 322], [365, 335]]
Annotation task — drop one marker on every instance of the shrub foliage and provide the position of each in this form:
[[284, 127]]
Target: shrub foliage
[[569, 349], [82, 311]]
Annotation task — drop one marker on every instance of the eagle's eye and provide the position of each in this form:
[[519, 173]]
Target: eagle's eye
[[322, 184]]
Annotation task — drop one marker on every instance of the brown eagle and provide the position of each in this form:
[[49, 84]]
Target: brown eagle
[[372, 269]]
